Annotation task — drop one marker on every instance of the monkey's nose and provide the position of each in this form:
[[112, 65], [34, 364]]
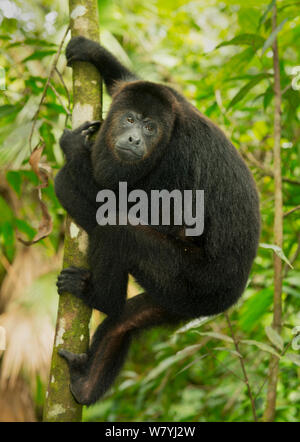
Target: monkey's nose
[[135, 140]]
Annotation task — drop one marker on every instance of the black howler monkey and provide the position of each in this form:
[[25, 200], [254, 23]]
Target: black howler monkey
[[152, 138]]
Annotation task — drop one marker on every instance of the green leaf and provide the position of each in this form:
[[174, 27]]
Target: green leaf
[[274, 337], [292, 357], [233, 352], [265, 14], [291, 291], [15, 180], [254, 308], [261, 346], [162, 366], [291, 285], [268, 95], [272, 37], [216, 335], [245, 89], [239, 61], [195, 323], [36, 84], [244, 39], [294, 280], [38, 55], [24, 227], [47, 135], [279, 252], [7, 214], [9, 240], [39, 42], [7, 109], [210, 109], [56, 108], [15, 148], [190, 364], [190, 350], [30, 176]]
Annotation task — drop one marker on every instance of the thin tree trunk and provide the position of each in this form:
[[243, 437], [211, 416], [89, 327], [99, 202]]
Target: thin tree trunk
[[72, 328], [269, 414]]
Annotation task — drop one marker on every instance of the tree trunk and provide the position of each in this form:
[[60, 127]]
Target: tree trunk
[[72, 327]]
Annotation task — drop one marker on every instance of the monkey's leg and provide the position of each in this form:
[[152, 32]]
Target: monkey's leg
[[77, 145], [74, 202], [75, 186], [94, 372], [104, 287]]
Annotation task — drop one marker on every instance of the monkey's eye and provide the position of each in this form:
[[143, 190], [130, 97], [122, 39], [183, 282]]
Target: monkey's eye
[[149, 127], [130, 120]]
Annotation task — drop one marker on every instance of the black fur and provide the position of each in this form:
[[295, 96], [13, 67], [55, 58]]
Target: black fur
[[183, 277]]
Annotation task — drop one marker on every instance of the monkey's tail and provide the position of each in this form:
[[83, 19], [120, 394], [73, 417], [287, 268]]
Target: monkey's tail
[[92, 374]]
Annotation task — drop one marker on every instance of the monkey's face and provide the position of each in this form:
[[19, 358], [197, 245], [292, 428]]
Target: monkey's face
[[138, 127], [135, 135]]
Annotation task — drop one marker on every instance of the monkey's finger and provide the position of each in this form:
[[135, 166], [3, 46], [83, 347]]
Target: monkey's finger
[[96, 123], [67, 355], [63, 287], [76, 271], [70, 284], [71, 269], [92, 128]]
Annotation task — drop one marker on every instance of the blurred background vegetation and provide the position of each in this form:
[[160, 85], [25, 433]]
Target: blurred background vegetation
[[219, 55]]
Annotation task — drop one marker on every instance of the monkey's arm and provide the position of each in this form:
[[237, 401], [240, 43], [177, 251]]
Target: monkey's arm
[[75, 186], [111, 70]]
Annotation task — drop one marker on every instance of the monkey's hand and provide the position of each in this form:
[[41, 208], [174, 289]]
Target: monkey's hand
[[73, 141], [80, 49]]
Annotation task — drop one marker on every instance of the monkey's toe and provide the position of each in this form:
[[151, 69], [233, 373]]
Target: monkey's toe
[[74, 360]]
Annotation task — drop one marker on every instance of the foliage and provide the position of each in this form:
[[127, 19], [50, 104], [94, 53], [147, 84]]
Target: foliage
[[219, 55]]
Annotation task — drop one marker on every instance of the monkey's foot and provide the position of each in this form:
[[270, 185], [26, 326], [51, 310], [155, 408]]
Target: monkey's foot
[[74, 280], [79, 382]]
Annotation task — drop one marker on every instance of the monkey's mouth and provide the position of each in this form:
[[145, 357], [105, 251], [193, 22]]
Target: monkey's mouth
[[128, 153]]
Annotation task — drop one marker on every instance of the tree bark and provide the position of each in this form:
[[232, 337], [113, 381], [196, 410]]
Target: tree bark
[[72, 327], [269, 414]]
